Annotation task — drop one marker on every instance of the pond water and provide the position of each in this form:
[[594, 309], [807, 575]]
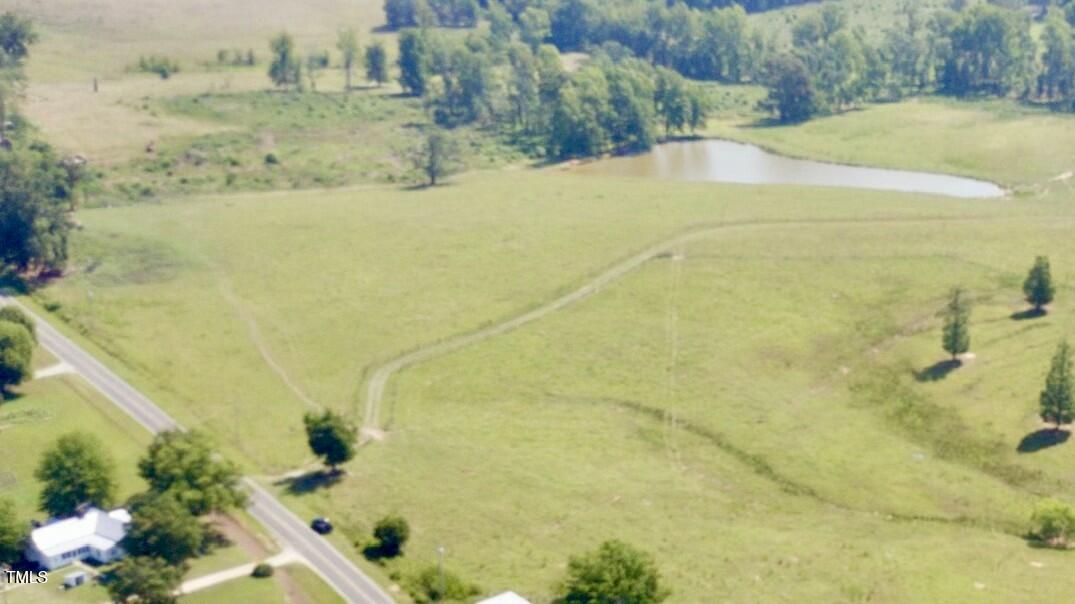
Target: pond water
[[726, 161]]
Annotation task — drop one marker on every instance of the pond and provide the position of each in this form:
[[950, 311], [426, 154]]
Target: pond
[[725, 161]]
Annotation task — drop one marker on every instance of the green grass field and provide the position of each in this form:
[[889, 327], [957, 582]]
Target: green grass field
[[760, 408], [1000, 141]]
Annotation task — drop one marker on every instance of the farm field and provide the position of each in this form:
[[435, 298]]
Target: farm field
[[760, 401]]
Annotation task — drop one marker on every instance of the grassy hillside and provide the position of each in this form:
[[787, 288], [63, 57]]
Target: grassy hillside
[[999, 141]]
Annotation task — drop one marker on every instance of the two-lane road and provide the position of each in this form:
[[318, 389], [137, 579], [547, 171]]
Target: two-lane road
[[288, 529]]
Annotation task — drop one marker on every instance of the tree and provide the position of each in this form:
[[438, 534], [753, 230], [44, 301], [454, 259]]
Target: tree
[[285, 69], [161, 527], [184, 465], [16, 36], [434, 584], [391, 533], [791, 91], [16, 352], [1053, 523], [437, 156], [331, 437], [534, 26], [315, 62], [615, 572], [14, 314], [347, 44], [76, 470], [36, 199], [12, 533], [1038, 286], [413, 62], [1056, 399], [376, 63], [145, 580], [956, 334]]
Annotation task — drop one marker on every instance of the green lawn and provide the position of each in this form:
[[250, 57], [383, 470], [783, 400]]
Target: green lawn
[[1000, 141], [240, 590], [49, 408]]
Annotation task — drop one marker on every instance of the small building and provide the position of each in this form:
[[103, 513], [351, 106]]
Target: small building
[[92, 535], [72, 580], [508, 597]]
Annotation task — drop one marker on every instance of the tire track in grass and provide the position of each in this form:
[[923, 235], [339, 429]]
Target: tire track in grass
[[379, 378]]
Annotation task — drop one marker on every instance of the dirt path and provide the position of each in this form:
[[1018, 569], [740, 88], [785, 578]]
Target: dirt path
[[256, 550], [372, 426]]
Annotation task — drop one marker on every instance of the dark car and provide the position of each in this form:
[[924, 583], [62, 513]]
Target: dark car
[[321, 525]]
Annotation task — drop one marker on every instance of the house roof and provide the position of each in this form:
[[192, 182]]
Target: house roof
[[95, 528], [508, 597]]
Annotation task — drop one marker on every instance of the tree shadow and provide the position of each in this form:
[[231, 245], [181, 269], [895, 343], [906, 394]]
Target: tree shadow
[[311, 481], [1042, 439], [1030, 313], [937, 371], [375, 552]]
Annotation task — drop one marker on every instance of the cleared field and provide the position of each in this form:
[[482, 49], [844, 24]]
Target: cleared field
[[732, 411], [995, 140]]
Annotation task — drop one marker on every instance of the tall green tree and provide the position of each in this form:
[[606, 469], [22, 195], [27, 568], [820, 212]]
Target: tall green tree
[[615, 572], [161, 527], [1057, 397], [956, 333], [436, 156], [285, 68], [37, 196], [16, 352], [376, 63], [413, 61], [16, 35], [76, 470], [791, 91], [184, 465], [144, 580], [347, 44], [331, 437], [1038, 287], [12, 533]]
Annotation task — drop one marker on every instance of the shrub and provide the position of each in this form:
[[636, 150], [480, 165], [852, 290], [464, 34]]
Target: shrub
[[271, 159], [14, 314], [158, 64], [428, 586], [391, 533], [263, 570], [1053, 523]]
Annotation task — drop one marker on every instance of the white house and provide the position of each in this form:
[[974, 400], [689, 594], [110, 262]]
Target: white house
[[94, 534]]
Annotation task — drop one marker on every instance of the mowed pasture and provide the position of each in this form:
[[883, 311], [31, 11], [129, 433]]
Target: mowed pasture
[[726, 406], [1016, 146]]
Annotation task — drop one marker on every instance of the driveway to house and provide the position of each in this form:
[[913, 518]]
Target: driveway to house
[[288, 529]]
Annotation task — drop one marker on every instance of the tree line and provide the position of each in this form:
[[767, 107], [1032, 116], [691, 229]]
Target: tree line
[[983, 49], [37, 187]]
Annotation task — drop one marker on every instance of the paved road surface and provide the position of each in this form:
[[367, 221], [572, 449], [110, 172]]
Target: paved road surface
[[288, 529]]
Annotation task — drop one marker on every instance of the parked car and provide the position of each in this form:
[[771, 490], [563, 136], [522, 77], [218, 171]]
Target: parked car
[[321, 525]]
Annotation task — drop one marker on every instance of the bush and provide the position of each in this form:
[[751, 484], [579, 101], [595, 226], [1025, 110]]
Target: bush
[[263, 570], [426, 586], [271, 159], [1053, 523], [160, 65], [391, 533], [16, 350], [14, 314]]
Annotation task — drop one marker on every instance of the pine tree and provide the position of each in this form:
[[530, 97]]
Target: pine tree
[[1038, 286], [956, 338], [1056, 399]]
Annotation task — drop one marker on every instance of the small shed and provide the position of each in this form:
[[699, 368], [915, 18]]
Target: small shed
[[74, 579]]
